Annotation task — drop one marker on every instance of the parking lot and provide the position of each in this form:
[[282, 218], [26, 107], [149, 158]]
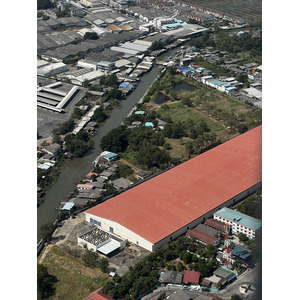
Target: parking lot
[[48, 120]]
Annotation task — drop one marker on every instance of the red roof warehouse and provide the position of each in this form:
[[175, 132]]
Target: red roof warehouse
[[166, 206]]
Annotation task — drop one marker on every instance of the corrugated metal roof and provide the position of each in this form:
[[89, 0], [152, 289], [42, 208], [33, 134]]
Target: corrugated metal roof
[[109, 247], [188, 191], [191, 276], [202, 236]]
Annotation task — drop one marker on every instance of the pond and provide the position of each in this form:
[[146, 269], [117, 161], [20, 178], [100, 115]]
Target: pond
[[184, 86], [161, 98]]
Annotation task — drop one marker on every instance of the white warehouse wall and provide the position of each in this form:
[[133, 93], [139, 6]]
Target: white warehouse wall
[[121, 231]]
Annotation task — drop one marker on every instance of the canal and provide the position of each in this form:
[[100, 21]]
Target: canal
[[79, 167]]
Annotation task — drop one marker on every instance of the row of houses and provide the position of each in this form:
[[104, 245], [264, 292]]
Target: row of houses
[[228, 85], [220, 277], [93, 184]]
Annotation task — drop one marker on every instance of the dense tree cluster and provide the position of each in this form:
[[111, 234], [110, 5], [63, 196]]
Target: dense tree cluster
[[91, 259], [99, 115], [252, 206], [45, 283], [45, 4], [237, 44], [65, 127], [156, 45], [145, 274], [110, 81], [90, 36], [79, 143]]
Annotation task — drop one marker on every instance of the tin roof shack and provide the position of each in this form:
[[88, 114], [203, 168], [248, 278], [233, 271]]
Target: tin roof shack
[[122, 183], [208, 230], [214, 281], [171, 277], [224, 274], [100, 240], [89, 194], [215, 224], [191, 277], [241, 254], [203, 237], [53, 149], [143, 174]]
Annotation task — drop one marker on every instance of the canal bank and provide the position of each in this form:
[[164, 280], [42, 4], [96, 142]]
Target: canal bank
[[79, 167]]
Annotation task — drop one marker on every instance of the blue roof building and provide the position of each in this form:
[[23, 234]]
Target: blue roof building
[[240, 223], [125, 85], [109, 156], [230, 90], [241, 254], [149, 124], [181, 68]]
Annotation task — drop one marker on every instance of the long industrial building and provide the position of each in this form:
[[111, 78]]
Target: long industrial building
[[166, 206]]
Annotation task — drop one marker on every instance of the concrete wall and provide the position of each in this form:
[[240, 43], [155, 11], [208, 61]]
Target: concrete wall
[[121, 231]]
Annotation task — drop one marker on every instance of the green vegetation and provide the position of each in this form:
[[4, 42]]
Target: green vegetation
[[110, 81], [79, 143], [46, 231], [183, 254], [45, 283], [156, 45], [74, 280], [220, 71], [90, 36], [243, 46], [91, 259], [252, 206], [45, 4], [62, 13], [99, 115], [65, 127]]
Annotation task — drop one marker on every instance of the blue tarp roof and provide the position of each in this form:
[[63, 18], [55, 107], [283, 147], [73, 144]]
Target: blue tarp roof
[[44, 167], [68, 206], [110, 155], [125, 85], [181, 68], [149, 124]]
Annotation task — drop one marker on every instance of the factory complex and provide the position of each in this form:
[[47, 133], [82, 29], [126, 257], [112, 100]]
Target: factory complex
[[168, 205]]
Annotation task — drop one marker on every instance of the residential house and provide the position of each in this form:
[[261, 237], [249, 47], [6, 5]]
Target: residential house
[[106, 174], [143, 174], [108, 156], [53, 149], [191, 277], [121, 183], [170, 277]]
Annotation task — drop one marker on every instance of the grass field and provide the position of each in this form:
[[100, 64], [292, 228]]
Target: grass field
[[75, 280], [180, 112], [217, 109]]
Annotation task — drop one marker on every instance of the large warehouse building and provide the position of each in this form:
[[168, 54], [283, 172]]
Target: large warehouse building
[[166, 206]]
